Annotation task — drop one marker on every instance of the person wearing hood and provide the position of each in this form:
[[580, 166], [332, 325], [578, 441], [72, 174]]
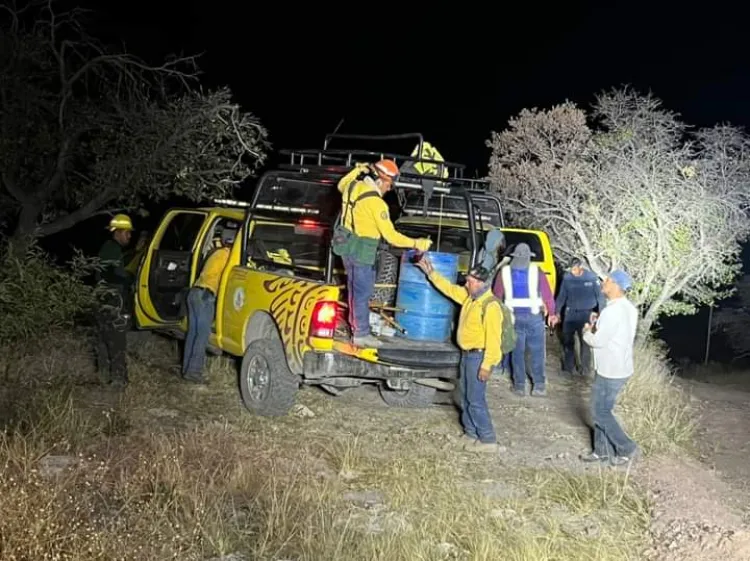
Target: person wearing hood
[[524, 288]]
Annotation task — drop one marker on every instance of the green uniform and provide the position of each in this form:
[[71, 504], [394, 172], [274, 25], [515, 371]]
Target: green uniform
[[113, 318]]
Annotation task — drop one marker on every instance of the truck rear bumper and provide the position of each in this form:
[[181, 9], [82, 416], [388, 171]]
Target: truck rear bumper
[[331, 364]]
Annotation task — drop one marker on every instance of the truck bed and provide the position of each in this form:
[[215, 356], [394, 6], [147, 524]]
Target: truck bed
[[399, 351]]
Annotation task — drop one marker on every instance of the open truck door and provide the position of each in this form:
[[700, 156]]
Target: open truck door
[[168, 269]]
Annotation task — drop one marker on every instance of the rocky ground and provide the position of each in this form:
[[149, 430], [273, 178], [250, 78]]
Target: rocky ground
[[390, 468]]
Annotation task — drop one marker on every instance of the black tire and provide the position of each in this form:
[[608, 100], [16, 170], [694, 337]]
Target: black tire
[[274, 393], [417, 396], [386, 273]]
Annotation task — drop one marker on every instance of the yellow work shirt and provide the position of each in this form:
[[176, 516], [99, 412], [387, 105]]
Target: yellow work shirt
[[472, 333], [370, 218], [211, 273]]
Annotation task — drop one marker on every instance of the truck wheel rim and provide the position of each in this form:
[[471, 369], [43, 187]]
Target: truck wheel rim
[[258, 375]]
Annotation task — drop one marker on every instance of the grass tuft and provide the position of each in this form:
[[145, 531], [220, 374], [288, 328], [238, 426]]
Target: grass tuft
[[656, 412]]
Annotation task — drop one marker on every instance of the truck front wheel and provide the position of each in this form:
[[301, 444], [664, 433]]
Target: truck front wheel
[[267, 386]]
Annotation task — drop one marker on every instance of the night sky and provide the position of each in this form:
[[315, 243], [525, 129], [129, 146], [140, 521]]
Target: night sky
[[453, 74]]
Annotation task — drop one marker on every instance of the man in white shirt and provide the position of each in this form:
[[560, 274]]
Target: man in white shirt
[[611, 338]]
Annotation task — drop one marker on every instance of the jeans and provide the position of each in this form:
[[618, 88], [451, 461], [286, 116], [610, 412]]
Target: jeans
[[609, 437], [570, 329], [360, 285], [475, 416], [529, 334], [201, 309]]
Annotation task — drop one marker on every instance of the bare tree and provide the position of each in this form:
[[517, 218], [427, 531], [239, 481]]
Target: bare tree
[[732, 320], [630, 186], [85, 129]]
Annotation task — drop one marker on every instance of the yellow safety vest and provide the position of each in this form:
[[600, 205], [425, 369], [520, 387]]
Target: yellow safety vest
[[429, 152]]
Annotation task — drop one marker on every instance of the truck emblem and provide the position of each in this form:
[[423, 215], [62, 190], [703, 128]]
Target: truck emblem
[[239, 297]]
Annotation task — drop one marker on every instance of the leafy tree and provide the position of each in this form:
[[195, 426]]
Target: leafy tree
[[86, 129], [630, 185]]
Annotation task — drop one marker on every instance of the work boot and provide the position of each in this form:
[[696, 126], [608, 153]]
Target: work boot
[[466, 440], [194, 377], [366, 341], [483, 447], [592, 457]]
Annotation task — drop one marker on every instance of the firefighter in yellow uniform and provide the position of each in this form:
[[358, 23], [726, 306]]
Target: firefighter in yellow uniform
[[201, 302], [479, 335], [364, 221]]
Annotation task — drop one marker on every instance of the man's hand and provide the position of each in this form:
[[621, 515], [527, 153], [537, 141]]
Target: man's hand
[[423, 244], [425, 265], [484, 375], [553, 320]]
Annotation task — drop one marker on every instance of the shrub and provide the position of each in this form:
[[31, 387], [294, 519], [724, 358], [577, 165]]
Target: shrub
[[37, 295]]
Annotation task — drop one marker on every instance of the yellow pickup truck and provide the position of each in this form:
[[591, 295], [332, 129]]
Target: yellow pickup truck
[[281, 301]]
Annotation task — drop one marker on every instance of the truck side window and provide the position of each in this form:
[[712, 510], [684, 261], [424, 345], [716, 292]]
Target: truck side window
[[181, 233]]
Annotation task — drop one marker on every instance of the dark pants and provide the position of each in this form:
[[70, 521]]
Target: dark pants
[[571, 328], [529, 335], [360, 285], [201, 310], [475, 415], [112, 330], [609, 438]]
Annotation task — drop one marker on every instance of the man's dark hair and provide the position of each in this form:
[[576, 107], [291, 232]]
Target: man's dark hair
[[575, 262]]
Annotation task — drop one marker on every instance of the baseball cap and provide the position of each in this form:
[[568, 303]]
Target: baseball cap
[[621, 279]]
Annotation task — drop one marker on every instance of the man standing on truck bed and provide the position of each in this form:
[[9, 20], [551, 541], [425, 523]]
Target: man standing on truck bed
[[479, 334], [364, 221]]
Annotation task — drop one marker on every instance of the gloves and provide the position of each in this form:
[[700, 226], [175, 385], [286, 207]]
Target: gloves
[[423, 244]]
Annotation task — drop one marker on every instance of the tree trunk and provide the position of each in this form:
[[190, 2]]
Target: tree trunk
[[26, 228], [644, 327]]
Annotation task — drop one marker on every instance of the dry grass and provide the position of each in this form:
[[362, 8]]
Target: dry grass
[[655, 411], [129, 486]]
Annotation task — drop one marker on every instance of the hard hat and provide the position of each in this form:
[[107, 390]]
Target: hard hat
[[120, 222], [387, 168]]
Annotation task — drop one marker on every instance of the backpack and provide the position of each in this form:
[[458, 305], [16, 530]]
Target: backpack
[[345, 242], [508, 342]]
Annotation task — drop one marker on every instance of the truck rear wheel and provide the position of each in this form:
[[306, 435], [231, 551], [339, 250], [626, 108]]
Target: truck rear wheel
[[267, 386], [417, 396]]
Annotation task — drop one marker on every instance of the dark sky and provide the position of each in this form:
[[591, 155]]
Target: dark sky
[[455, 74]]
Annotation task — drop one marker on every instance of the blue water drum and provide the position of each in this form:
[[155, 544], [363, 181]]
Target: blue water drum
[[427, 315]]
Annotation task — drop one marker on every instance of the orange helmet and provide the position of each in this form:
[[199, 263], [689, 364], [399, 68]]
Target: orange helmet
[[387, 168]]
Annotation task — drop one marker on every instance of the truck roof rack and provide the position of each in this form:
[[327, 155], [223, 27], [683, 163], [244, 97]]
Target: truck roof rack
[[311, 160]]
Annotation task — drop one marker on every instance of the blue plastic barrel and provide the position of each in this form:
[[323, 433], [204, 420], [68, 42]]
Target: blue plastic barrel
[[427, 315]]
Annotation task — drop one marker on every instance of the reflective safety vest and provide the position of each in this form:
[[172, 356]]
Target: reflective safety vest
[[521, 289], [429, 152]]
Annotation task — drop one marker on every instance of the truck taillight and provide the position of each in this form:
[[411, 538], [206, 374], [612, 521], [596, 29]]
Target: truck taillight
[[323, 322]]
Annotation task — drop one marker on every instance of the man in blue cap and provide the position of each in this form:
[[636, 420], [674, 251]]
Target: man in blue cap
[[611, 337], [580, 295]]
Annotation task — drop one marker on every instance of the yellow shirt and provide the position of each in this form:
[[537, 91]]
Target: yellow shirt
[[371, 217], [212, 269], [472, 333]]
